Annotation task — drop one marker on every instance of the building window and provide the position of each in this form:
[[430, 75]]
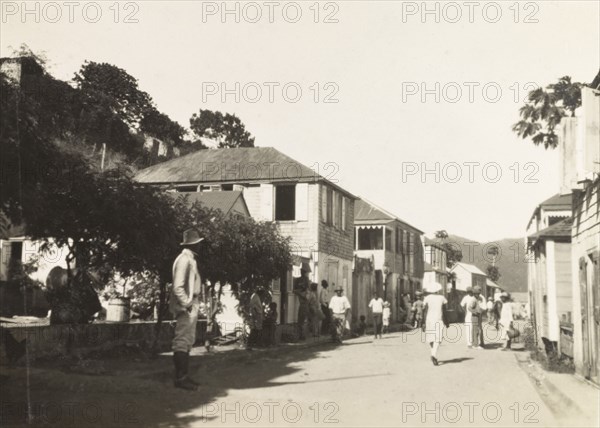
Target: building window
[[411, 253], [324, 204], [336, 209], [285, 202], [370, 239], [329, 206], [343, 213], [388, 240]]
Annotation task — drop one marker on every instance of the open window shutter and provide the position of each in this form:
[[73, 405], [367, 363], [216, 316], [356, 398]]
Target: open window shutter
[[302, 201], [266, 202]]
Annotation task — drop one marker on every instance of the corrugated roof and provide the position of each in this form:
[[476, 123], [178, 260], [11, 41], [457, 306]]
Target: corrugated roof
[[558, 202], [366, 212], [243, 164], [220, 200], [562, 229], [491, 283], [470, 268]]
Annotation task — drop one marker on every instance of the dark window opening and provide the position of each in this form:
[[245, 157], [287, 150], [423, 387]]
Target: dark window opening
[[16, 251], [370, 239], [554, 220], [285, 202], [226, 186]]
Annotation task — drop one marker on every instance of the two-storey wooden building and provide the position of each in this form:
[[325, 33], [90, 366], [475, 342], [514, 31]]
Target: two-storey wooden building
[[316, 213], [396, 249]]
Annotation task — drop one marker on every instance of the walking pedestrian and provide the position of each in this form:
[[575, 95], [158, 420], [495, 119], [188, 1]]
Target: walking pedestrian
[[339, 307], [464, 304], [387, 314], [184, 304], [376, 305], [324, 301], [435, 307], [506, 320], [417, 310]]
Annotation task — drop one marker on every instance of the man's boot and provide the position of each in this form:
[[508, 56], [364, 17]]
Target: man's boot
[[186, 367], [181, 379]]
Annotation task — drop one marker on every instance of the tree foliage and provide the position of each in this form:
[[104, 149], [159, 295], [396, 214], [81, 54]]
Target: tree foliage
[[109, 222], [493, 273], [544, 110], [225, 129], [453, 251]]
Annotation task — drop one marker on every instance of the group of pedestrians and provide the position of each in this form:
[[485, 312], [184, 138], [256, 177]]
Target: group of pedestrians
[[474, 306], [499, 313], [382, 313]]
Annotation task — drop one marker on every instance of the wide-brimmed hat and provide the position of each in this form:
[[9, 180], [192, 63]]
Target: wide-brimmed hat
[[338, 288], [433, 287], [477, 289], [418, 293], [386, 304], [191, 237], [504, 294], [469, 289]]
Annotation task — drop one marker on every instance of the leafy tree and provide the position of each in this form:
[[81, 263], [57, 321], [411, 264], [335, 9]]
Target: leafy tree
[[114, 88], [227, 130], [441, 234], [453, 251], [493, 273], [110, 223], [544, 110], [238, 250]]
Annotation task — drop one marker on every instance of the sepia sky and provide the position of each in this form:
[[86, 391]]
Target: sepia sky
[[375, 61]]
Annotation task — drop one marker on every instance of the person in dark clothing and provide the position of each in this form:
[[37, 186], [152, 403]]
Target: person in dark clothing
[[270, 324], [324, 298]]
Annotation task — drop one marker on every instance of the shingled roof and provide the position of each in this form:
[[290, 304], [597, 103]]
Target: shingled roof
[[232, 165]]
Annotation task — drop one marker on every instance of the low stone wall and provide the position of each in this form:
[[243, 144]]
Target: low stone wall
[[44, 341]]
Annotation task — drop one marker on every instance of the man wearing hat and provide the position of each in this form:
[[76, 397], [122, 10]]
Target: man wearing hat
[[476, 308], [339, 307], [184, 305]]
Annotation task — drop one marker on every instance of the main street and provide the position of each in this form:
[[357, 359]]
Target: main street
[[389, 382], [364, 382]]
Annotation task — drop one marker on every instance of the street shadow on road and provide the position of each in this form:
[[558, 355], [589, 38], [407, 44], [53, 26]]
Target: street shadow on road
[[454, 360], [141, 392]]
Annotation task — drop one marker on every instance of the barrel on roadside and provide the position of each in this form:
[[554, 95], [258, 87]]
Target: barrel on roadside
[[118, 310]]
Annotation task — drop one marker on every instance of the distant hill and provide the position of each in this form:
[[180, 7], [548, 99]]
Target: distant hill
[[511, 262]]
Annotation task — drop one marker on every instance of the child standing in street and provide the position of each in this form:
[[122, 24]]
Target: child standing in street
[[387, 313]]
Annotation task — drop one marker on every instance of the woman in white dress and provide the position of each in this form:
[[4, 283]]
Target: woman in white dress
[[435, 306]]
